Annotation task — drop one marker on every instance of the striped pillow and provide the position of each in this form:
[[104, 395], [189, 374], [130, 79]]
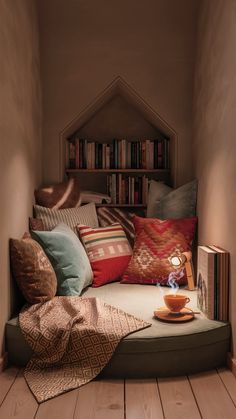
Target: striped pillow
[[85, 214], [108, 216], [108, 250]]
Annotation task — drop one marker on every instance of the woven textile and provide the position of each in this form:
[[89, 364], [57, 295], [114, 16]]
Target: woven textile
[[86, 214], [61, 195], [108, 250], [108, 216], [156, 240], [73, 338]]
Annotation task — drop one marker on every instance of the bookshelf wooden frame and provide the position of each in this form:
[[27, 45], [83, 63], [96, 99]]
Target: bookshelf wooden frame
[[120, 88]]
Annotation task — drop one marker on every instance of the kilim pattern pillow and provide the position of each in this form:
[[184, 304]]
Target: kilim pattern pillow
[[156, 240], [32, 270], [108, 216], [108, 250], [86, 214], [62, 195]]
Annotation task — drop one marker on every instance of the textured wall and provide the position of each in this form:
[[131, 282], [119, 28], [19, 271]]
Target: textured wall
[[20, 131], [85, 46], [214, 147]]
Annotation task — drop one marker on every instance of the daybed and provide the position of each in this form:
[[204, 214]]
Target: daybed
[[161, 350]]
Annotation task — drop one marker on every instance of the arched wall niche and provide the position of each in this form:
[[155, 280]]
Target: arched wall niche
[[120, 112]]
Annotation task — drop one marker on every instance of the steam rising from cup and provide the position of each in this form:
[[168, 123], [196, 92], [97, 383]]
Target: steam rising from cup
[[173, 278]]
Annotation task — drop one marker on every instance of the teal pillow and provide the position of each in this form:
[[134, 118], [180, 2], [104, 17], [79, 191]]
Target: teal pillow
[[175, 203], [68, 258]]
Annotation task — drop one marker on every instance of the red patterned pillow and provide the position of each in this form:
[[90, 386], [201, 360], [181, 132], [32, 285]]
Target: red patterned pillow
[[156, 240], [62, 195], [108, 250]]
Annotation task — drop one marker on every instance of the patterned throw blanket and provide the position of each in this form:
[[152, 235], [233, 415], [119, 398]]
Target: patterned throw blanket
[[72, 338]]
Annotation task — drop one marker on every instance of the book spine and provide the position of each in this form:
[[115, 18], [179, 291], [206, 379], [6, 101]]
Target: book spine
[[143, 154], [100, 149], [115, 150], [72, 164], [119, 188], [160, 154], [107, 156], [85, 154], [155, 162], [151, 154], [89, 155], [148, 154], [93, 155], [128, 154]]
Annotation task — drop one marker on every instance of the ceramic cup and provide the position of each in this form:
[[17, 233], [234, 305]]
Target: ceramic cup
[[175, 303]]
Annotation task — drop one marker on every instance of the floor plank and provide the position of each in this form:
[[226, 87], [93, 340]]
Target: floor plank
[[59, 407], [229, 381], [178, 401], [142, 400], [7, 378], [212, 397], [101, 400], [19, 403]]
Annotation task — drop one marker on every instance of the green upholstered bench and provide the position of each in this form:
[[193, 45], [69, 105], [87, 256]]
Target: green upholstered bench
[[163, 349]]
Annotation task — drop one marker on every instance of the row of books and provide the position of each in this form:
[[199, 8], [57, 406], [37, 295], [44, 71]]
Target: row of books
[[118, 154], [213, 282], [130, 190]]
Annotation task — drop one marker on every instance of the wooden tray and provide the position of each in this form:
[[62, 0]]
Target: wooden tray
[[164, 315]]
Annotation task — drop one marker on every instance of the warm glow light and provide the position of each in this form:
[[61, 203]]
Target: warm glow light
[[176, 261]]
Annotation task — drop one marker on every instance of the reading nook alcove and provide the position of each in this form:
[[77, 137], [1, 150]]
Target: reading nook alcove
[[163, 349]]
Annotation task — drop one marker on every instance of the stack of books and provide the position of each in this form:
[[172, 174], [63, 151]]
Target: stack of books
[[118, 154], [131, 190], [213, 282]]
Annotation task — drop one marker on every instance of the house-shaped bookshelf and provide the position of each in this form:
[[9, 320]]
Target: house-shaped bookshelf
[[118, 112]]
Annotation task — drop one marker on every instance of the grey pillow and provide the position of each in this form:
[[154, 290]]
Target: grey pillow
[[157, 190], [178, 203], [68, 258]]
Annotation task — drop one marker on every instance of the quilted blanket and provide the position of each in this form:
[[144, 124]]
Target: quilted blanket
[[72, 338]]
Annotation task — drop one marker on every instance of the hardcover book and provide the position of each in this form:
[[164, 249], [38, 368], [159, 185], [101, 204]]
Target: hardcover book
[[206, 281], [213, 282]]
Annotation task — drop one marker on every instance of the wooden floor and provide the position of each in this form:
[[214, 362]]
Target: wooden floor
[[210, 395]]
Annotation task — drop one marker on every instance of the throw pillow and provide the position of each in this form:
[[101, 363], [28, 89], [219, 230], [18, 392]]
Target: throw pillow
[[108, 250], [62, 195], [35, 224], [177, 203], [32, 270], [156, 240], [157, 190], [108, 216], [86, 214], [68, 259]]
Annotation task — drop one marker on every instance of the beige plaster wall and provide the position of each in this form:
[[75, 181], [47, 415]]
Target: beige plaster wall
[[86, 44], [20, 131], [214, 146]]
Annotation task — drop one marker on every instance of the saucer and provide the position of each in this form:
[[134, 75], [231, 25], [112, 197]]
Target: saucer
[[165, 315]]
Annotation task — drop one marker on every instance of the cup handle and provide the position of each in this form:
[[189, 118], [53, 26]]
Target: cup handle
[[187, 300]]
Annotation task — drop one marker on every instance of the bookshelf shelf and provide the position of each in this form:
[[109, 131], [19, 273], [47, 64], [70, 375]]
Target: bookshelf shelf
[[141, 171], [123, 167]]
